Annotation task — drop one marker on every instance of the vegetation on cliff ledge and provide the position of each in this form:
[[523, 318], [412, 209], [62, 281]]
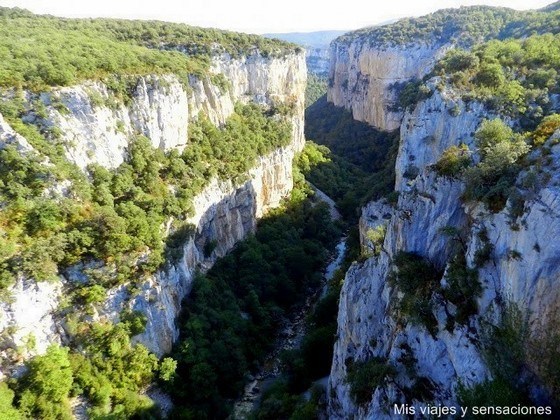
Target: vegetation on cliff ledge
[[513, 77], [117, 215]]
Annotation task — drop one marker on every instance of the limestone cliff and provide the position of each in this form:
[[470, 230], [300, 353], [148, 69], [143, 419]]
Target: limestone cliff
[[364, 78], [522, 267], [94, 127], [316, 46], [224, 214], [368, 67]]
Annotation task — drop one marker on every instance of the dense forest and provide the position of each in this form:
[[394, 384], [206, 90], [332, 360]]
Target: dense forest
[[234, 312], [464, 26], [102, 48]]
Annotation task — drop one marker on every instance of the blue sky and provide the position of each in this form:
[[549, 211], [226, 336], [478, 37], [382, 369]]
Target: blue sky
[[258, 16]]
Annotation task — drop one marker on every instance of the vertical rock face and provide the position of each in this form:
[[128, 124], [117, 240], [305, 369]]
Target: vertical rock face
[[441, 121], [95, 129], [27, 322], [523, 267], [318, 60], [224, 215], [363, 77]]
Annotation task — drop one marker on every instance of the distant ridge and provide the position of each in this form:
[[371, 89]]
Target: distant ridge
[[309, 39]]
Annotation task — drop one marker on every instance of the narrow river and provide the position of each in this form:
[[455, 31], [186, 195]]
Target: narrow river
[[292, 333]]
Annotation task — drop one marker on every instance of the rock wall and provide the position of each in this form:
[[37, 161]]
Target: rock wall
[[225, 214], [95, 129], [367, 326], [363, 78], [318, 60]]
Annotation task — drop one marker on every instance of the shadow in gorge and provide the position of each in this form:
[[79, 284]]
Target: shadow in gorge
[[355, 141], [230, 321], [358, 163]]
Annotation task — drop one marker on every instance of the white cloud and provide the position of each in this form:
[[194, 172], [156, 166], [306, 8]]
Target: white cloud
[[259, 16]]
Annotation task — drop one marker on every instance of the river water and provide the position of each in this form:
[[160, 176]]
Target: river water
[[290, 338]]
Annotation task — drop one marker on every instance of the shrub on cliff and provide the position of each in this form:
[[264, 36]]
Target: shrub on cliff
[[7, 410], [453, 161], [364, 377], [45, 388], [513, 76], [546, 128], [492, 180], [411, 93], [417, 279]]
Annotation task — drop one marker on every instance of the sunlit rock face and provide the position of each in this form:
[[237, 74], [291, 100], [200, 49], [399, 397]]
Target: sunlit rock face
[[364, 78], [94, 128], [224, 215], [427, 205]]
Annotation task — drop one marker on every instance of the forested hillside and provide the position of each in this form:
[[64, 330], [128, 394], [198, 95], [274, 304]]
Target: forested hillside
[[191, 227], [92, 242], [97, 48]]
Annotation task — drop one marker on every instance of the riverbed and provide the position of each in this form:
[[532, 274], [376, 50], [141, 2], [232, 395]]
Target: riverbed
[[290, 337]]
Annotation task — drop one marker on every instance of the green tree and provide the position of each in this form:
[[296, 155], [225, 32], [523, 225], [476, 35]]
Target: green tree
[[46, 385], [7, 410]]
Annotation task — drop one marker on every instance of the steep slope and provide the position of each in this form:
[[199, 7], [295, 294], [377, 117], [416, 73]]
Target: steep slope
[[462, 275], [369, 67], [100, 125]]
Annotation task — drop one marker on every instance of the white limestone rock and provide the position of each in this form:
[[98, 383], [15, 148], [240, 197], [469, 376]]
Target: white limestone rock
[[161, 108], [9, 137], [362, 77], [27, 321]]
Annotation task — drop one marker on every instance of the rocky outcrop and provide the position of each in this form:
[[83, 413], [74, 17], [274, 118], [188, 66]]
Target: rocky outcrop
[[522, 267], [27, 320], [94, 127], [364, 78], [435, 124], [8, 137], [224, 214]]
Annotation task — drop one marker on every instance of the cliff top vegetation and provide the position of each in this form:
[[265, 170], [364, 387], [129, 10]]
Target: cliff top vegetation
[[464, 26], [32, 57]]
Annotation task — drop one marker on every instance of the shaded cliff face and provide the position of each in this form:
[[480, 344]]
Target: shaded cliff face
[[364, 78], [94, 128], [368, 325]]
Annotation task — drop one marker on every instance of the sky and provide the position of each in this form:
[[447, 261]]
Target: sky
[[259, 16]]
